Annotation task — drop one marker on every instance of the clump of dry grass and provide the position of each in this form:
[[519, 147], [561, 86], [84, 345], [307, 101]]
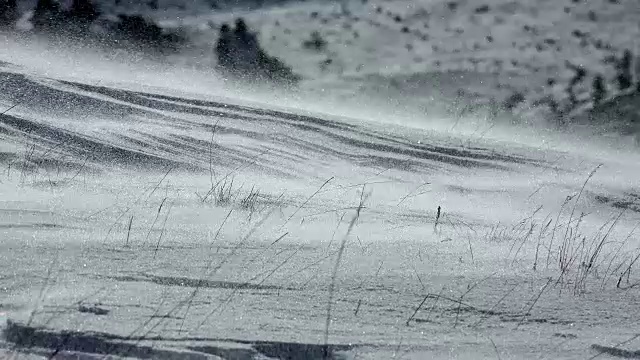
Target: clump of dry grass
[[250, 200], [225, 193], [577, 257]]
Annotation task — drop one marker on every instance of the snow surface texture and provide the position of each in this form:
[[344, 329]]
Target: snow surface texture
[[147, 212]]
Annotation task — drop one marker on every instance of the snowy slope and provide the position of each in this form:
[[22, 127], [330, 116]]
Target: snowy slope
[[148, 211], [432, 56], [434, 51]]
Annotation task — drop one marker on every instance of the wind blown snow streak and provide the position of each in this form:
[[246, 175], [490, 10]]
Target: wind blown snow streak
[[115, 126]]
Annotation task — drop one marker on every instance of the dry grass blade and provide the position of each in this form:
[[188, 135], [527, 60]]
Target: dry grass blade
[[412, 193], [543, 230], [227, 258], [607, 272], [555, 227], [336, 266], [156, 219], [211, 171], [535, 301], [627, 273], [9, 108], [159, 183], [164, 225], [195, 291], [491, 310], [309, 199], [417, 309], [469, 289], [589, 260], [126, 244], [575, 204], [601, 348], [495, 348], [43, 289], [333, 236]]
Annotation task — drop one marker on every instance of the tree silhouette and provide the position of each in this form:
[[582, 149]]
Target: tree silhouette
[[599, 90], [239, 54], [141, 31], [8, 13], [83, 11], [223, 47], [623, 68], [48, 16], [579, 74]]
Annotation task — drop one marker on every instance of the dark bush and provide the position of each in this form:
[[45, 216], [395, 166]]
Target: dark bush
[[513, 100], [137, 29], [83, 11], [316, 42], [239, 54], [483, 9], [623, 70], [48, 16], [578, 33], [8, 13], [598, 90], [79, 18], [579, 74]]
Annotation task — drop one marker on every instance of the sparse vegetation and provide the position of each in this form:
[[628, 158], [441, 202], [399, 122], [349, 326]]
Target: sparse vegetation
[[316, 42], [8, 14], [240, 55], [624, 72], [83, 11], [513, 101], [482, 9], [580, 73], [50, 18], [143, 32], [599, 90]]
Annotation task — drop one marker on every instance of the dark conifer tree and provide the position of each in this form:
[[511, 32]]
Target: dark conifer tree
[[48, 16], [8, 13], [83, 11], [623, 69], [598, 91]]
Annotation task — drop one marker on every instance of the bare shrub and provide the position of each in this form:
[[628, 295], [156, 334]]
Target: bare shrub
[[315, 42]]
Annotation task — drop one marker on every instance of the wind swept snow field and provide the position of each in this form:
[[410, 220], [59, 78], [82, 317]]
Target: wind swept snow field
[[155, 222]]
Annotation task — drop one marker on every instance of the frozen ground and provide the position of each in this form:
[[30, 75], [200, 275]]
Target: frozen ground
[[148, 216]]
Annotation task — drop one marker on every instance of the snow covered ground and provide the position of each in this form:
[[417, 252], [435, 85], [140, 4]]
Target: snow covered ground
[[148, 211]]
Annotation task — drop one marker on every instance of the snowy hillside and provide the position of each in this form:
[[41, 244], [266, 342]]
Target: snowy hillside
[[149, 211], [499, 59], [436, 51]]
